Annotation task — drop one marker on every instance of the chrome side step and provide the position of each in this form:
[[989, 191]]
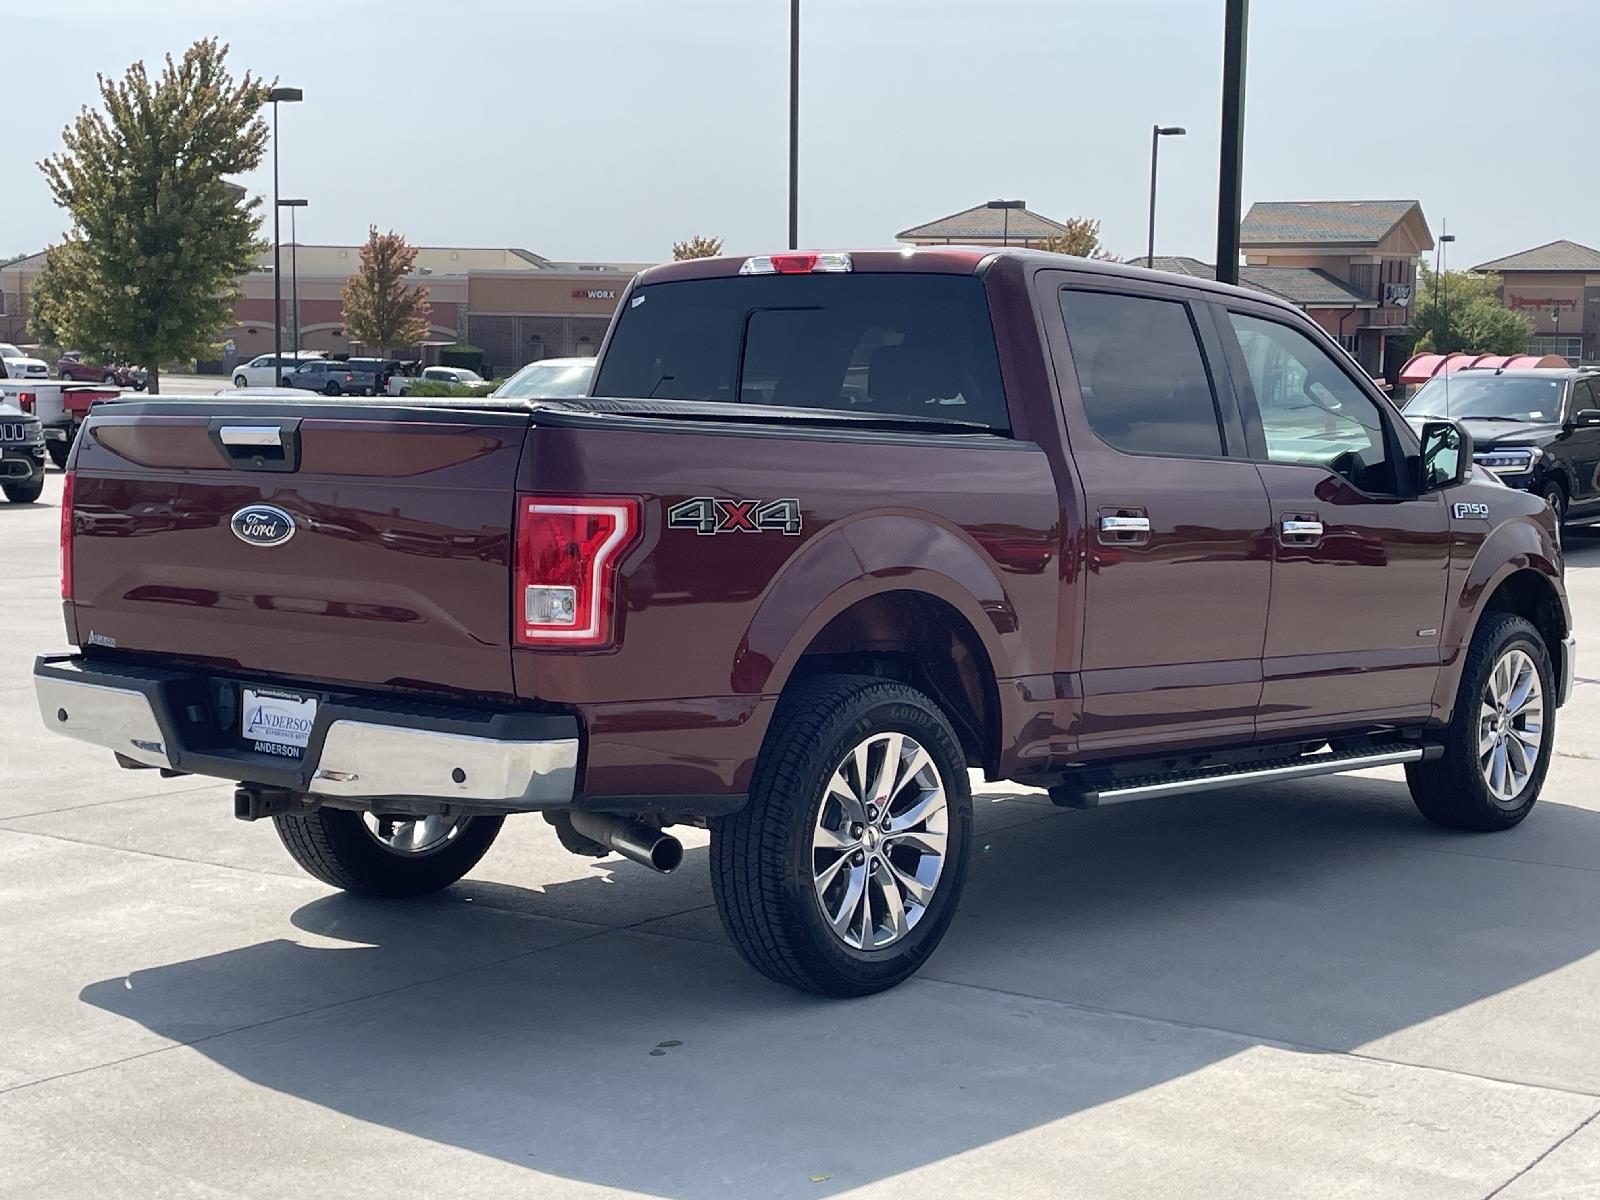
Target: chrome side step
[[1216, 778]]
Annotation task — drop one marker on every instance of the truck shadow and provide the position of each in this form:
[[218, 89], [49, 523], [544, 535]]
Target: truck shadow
[[1326, 917]]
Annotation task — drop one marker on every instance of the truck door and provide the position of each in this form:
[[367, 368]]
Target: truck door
[[1360, 561], [1175, 554]]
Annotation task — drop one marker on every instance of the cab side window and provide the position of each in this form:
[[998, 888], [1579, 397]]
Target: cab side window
[[1312, 413], [1141, 375]]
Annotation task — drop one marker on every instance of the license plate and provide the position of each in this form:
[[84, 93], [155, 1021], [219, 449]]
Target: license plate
[[277, 722]]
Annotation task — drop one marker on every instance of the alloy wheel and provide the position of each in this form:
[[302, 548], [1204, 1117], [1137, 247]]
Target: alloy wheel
[[413, 836], [878, 846], [1510, 726]]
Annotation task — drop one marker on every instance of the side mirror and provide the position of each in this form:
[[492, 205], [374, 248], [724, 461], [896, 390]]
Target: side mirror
[[1586, 418], [1446, 455]]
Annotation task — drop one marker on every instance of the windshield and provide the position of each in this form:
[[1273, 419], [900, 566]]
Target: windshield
[[1510, 397], [906, 344], [7, 350], [548, 379]]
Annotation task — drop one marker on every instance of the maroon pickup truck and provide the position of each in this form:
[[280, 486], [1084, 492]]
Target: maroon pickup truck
[[831, 531]]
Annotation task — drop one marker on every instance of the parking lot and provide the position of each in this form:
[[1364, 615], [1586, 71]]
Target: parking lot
[[1288, 990]]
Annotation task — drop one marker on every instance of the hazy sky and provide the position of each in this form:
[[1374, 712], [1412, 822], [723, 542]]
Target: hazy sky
[[605, 129]]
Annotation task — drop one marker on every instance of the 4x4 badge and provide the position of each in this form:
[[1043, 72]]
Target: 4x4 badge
[[708, 515]]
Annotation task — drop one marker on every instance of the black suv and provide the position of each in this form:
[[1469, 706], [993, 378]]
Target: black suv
[[21, 455], [1538, 429]]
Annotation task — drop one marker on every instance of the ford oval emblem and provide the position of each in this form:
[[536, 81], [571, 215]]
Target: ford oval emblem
[[262, 525]]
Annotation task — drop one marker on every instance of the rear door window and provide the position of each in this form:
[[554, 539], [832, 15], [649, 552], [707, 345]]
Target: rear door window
[[1141, 374], [902, 344]]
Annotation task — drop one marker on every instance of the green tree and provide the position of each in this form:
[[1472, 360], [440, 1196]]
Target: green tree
[[1081, 237], [697, 247], [150, 269], [1461, 310], [380, 310]]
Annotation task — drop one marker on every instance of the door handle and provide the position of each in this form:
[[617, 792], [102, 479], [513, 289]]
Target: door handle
[[1300, 531], [1124, 524]]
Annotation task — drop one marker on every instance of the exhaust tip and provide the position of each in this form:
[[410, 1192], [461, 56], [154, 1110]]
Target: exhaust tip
[[666, 855]]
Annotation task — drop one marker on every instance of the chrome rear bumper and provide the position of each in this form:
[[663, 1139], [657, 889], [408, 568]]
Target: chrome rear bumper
[[158, 718]]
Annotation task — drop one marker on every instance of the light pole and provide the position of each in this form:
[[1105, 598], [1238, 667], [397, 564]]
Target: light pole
[[794, 124], [1157, 132], [294, 268], [1555, 342], [1441, 294], [286, 95], [1230, 164], [1006, 206]]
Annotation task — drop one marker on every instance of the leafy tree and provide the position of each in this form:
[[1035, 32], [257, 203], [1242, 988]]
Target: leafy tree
[[1461, 310], [379, 309], [150, 269], [1081, 237], [697, 247]]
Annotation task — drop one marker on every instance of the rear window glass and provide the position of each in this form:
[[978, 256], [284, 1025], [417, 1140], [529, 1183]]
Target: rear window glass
[[908, 345]]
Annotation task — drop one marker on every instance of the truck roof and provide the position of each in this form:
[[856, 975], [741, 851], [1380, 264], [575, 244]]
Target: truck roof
[[955, 260]]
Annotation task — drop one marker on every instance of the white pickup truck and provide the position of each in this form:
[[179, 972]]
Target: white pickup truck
[[60, 405]]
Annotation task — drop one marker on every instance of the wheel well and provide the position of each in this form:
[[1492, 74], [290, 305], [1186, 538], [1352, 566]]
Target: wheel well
[[924, 642], [1530, 595]]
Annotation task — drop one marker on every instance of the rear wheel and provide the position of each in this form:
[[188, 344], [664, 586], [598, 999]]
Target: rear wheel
[[382, 856], [58, 452], [1498, 746], [25, 493], [332, 389], [843, 871]]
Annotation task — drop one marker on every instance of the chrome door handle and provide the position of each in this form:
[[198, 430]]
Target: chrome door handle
[[1124, 524], [1294, 528]]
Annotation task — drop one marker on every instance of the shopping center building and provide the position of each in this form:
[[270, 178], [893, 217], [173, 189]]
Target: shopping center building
[[1558, 285]]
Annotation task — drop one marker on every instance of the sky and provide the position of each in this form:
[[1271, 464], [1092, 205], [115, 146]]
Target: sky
[[607, 129]]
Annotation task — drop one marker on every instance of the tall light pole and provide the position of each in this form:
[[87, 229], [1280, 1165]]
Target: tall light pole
[[1441, 294], [286, 95], [794, 124], [1157, 132], [1230, 164], [294, 268], [1005, 225]]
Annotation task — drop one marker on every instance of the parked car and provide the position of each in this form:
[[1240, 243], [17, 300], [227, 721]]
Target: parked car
[[21, 455], [14, 364], [399, 384], [261, 371], [72, 366], [59, 406], [330, 378], [381, 369], [833, 530], [549, 377], [1537, 429]]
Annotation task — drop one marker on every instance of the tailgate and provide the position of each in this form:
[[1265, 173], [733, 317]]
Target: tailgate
[[369, 546]]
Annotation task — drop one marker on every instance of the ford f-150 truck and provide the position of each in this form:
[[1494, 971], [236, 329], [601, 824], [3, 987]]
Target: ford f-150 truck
[[830, 531]]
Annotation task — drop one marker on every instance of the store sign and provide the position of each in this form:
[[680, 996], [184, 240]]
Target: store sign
[[594, 293], [1397, 294], [1547, 302]]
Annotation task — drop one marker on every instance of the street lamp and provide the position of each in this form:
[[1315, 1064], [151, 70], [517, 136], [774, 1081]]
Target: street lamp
[[294, 268], [285, 95], [794, 124], [1230, 162], [1157, 132], [1441, 294], [1006, 206]]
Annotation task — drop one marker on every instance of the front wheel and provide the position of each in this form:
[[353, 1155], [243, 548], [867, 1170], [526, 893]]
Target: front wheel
[[842, 873], [239, 381], [1497, 749], [1555, 496], [385, 856], [25, 493]]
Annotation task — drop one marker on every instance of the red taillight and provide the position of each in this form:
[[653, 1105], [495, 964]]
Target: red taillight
[[824, 262], [27, 401], [566, 568], [66, 537]]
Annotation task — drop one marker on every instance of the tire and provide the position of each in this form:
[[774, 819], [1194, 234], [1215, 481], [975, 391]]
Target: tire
[[338, 847], [59, 453], [1455, 790], [239, 381], [766, 858], [332, 389], [1554, 495], [25, 493], [108, 377]]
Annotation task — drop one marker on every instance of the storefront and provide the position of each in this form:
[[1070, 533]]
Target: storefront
[[1558, 285]]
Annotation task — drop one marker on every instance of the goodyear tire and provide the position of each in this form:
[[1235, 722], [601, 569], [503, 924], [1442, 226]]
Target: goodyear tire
[[1497, 748], [842, 873], [361, 854]]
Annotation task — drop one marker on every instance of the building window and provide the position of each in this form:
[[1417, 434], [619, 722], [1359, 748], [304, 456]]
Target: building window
[[1569, 348], [1348, 341]]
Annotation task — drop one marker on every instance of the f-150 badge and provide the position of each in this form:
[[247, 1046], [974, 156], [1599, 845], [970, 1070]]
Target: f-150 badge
[[708, 515], [1462, 511]]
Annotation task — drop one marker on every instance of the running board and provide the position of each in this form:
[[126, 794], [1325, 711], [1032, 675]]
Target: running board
[[1212, 779]]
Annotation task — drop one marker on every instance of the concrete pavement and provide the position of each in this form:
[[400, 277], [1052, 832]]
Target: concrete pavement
[[1276, 992]]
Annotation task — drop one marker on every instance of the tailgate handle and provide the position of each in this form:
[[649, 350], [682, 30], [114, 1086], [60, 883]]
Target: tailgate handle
[[251, 435], [264, 444]]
